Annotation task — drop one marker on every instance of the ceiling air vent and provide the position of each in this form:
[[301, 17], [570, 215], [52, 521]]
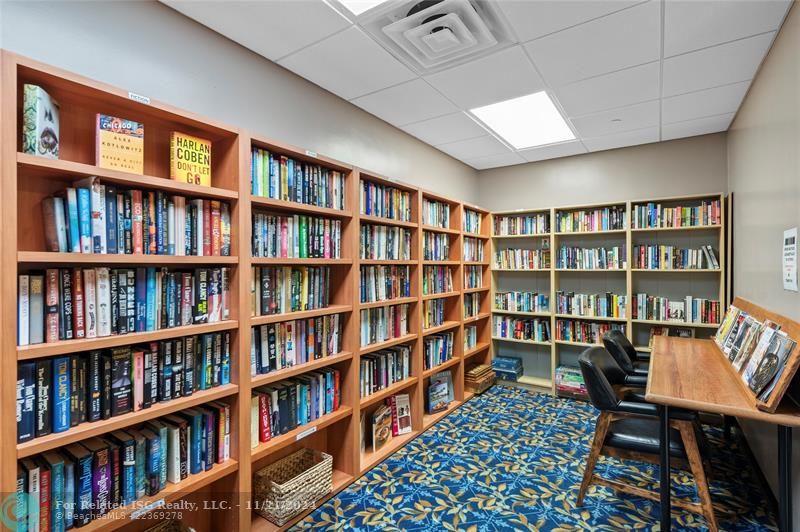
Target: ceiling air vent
[[436, 34]]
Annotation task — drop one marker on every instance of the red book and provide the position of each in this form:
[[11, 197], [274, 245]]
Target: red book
[[51, 306], [77, 304], [44, 497], [136, 201], [263, 414], [336, 390], [216, 232], [207, 228], [391, 401], [151, 222]]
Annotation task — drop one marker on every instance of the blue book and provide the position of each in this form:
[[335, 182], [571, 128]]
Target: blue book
[[85, 220], [69, 493], [141, 299], [171, 291], [127, 456], [61, 395], [303, 403], [151, 299], [274, 175], [329, 391], [195, 420], [74, 240], [21, 509], [159, 223], [153, 461], [140, 464], [253, 173], [290, 179], [111, 220], [208, 439], [82, 458], [159, 428], [26, 400], [225, 374], [57, 487]]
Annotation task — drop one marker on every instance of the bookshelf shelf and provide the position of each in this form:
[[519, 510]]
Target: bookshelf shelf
[[590, 233], [441, 295], [476, 263], [371, 348], [392, 389], [521, 270], [521, 313], [643, 348], [435, 229], [687, 270], [476, 235], [370, 459], [300, 315], [88, 430], [440, 262], [602, 270], [297, 434], [431, 419], [673, 229], [372, 220], [540, 382], [515, 340], [670, 323], [48, 258], [439, 328], [532, 235], [478, 317], [385, 302], [269, 261], [274, 376], [27, 352], [474, 290], [377, 262], [443, 366], [296, 207], [591, 318], [479, 348], [570, 342]]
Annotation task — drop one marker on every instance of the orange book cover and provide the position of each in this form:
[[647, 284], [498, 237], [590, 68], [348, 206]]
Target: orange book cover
[[190, 159], [120, 144]]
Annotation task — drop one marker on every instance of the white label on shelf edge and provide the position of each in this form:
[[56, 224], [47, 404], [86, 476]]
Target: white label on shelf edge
[[305, 433], [311, 153], [147, 508], [138, 98]]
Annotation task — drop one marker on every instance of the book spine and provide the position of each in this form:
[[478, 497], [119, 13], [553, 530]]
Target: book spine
[[67, 315], [26, 401], [90, 302], [103, 302], [61, 396], [111, 219], [52, 306], [23, 310], [44, 399], [83, 491]]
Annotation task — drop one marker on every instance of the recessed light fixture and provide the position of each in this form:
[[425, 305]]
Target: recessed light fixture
[[357, 7], [526, 121]]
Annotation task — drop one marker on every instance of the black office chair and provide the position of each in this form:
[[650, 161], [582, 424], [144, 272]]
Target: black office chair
[[630, 430], [624, 353]]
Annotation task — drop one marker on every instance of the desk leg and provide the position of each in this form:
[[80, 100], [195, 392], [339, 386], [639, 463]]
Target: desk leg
[[666, 515], [785, 478]]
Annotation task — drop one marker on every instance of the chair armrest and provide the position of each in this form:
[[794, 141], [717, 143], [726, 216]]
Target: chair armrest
[[650, 409], [636, 380], [641, 372]]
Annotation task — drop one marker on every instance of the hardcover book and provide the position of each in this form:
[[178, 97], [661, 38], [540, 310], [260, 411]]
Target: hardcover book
[[190, 159], [39, 122], [120, 144], [381, 427]]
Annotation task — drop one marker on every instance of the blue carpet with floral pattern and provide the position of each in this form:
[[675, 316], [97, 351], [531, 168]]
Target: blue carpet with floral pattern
[[512, 459]]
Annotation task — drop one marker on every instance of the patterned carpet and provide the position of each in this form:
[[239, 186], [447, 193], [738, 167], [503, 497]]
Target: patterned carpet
[[512, 459]]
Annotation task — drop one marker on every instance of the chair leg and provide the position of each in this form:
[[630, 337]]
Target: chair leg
[[696, 465], [600, 430]]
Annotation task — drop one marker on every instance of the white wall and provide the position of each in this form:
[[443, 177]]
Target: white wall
[[150, 49]]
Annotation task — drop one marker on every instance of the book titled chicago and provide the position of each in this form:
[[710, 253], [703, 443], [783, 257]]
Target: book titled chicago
[[190, 159], [120, 144]]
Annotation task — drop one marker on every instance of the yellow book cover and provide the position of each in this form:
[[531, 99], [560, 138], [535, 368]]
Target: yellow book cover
[[190, 159], [120, 144]]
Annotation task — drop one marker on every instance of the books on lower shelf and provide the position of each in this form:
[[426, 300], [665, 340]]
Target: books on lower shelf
[[81, 482], [473, 277], [655, 215], [381, 242], [470, 337], [437, 349], [688, 310], [577, 258], [383, 368], [385, 201], [516, 301], [56, 394], [507, 368], [663, 257], [40, 122], [608, 305], [522, 259], [435, 246], [532, 329], [384, 283], [280, 177], [288, 404], [91, 217], [587, 332], [383, 323], [440, 392], [435, 213], [472, 305], [65, 304], [591, 220], [473, 249], [521, 224], [472, 221], [391, 419], [479, 377], [297, 236], [437, 280], [275, 346], [433, 313], [280, 289], [570, 380]]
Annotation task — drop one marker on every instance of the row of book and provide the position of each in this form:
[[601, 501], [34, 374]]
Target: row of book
[[280, 289], [608, 305], [81, 482], [383, 283], [533, 329], [56, 394], [472, 222], [437, 349], [473, 277], [758, 350], [470, 337], [433, 313], [275, 346], [522, 259], [65, 304], [473, 249], [435, 213], [283, 178], [285, 405], [657, 216], [435, 246], [689, 309], [587, 332], [296, 237], [518, 301], [472, 305], [577, 258], [437, 280], [569, 380], [385, 201], [521, 224], [95, 218], [387, 421], [381, 369], [591, 220], [383, 323], [382, 242], [651, 257]]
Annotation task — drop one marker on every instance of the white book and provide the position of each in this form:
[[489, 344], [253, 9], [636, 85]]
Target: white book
[[198, 226], [173, 453], [180, 225], [33, 498], [121, 223], [103, 280], [90, 302], [225, 293], [97, 193], [264, 332], [36, 310], [23, 303], [254, 422], [61, 224], [253, 369], [171, 228]]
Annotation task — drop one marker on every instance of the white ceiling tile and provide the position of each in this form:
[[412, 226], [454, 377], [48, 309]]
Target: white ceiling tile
[[349, 64], [495, 161], [625, 87], [474, 148], [271, 29], [449, 128], [621, 140], [621, 40], [535, 19], [637, 116], [709, 102], [495, 78], [695, 24], [407, 103], [719, 65], [692, 128], [563, 149]]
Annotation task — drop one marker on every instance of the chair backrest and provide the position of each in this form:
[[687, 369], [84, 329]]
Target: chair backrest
[[600, 371], [621, 349]]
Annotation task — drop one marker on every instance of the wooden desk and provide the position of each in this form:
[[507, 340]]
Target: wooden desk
[[695, 374]]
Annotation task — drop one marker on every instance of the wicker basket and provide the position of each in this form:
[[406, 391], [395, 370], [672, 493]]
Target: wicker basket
[[292, 484]]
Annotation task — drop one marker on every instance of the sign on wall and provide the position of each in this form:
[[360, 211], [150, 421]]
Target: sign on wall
[[790, 259]]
